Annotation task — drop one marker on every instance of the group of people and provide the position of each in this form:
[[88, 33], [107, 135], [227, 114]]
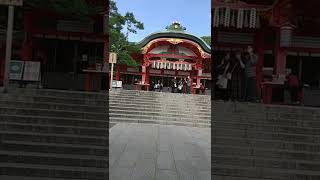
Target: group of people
[[236, 78], [181, 86]]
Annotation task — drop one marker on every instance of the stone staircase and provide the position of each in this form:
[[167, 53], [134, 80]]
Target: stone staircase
[[159, 108], [50, 134], [264, 142]]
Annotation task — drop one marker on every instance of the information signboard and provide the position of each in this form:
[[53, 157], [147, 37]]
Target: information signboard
[[16, 69], [116, 84]]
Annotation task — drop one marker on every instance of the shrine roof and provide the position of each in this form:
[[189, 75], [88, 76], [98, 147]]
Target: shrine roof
[[175, 34]]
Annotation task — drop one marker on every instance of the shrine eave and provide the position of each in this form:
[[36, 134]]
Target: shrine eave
[[176, 34]]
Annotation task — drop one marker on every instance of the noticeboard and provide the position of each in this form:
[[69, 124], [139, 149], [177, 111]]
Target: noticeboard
[[31, 71], [116, 84], [16, 69]]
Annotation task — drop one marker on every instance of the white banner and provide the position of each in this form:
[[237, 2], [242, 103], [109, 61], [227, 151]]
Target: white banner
[[31, 71]]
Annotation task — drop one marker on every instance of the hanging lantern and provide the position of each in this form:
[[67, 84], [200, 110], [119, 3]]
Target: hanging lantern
[[286, 31]]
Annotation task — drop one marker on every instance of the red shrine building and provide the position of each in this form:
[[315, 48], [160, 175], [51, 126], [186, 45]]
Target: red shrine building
[[168, 54], [68, 47], [285, 35]]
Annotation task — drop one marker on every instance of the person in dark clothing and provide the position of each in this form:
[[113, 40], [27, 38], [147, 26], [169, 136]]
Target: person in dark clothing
[[294, 87], [152, 86], [174, 85], [236, 80], [188, 85], [249, 63]]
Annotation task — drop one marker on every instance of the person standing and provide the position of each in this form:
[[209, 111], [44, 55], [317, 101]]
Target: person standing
[[180, 86], [294, 86], [174, 85], [222, 82], [249, 66], [236, 81], [188, 85]]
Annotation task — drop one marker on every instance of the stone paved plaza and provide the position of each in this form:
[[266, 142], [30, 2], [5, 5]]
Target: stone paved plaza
[[159, 152]]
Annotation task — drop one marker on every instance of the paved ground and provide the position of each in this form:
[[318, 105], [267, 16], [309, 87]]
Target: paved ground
[[158, 152]]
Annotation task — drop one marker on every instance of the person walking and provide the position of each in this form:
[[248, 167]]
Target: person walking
[[249, 63]]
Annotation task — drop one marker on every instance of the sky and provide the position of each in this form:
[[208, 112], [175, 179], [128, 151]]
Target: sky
[[195, 15]]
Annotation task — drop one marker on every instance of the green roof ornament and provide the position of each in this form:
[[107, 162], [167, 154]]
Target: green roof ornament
[[175, 26]]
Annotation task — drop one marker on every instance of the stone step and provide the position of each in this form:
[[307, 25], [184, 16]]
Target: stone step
[[57, 121], [263, 172], [162, 122], [307, 138], [57, 155], [54, 138], [54, 106], [166, 98], [57, 93], [53, 99], [289, 164], [53, 171], [161, 113], [307, 123], [160, 117], [261, 152], [267, 143], [271, 127], [161, 102], [176, 106], [56, 148], [53, 113], [177, 110], [43, 159], [45, 128]]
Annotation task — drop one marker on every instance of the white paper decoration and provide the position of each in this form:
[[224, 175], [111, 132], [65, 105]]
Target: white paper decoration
[[227, 18]]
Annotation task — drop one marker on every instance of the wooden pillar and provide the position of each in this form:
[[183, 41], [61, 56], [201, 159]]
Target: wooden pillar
[[118, 70], [259, 47], [280, 56], [144, 74], [147, 75], [27, 45]]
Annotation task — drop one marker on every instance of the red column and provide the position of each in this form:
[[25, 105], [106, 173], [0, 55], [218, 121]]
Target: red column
[[259, 47], [118, 69], [280, 56]]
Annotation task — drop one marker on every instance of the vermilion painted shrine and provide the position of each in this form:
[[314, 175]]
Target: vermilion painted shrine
[[284, 33], [168, 54]]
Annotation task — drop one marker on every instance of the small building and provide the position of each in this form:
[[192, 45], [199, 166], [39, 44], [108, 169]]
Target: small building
[[65, 45], [168, 54]]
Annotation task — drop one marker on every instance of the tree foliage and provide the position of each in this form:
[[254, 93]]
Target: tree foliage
[[120, 26], [207, 39]]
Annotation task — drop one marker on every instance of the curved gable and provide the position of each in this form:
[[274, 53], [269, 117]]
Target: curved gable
[[175, 34]]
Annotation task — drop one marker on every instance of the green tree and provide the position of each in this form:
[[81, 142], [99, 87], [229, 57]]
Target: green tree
[[207, 39], [120, 26]]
